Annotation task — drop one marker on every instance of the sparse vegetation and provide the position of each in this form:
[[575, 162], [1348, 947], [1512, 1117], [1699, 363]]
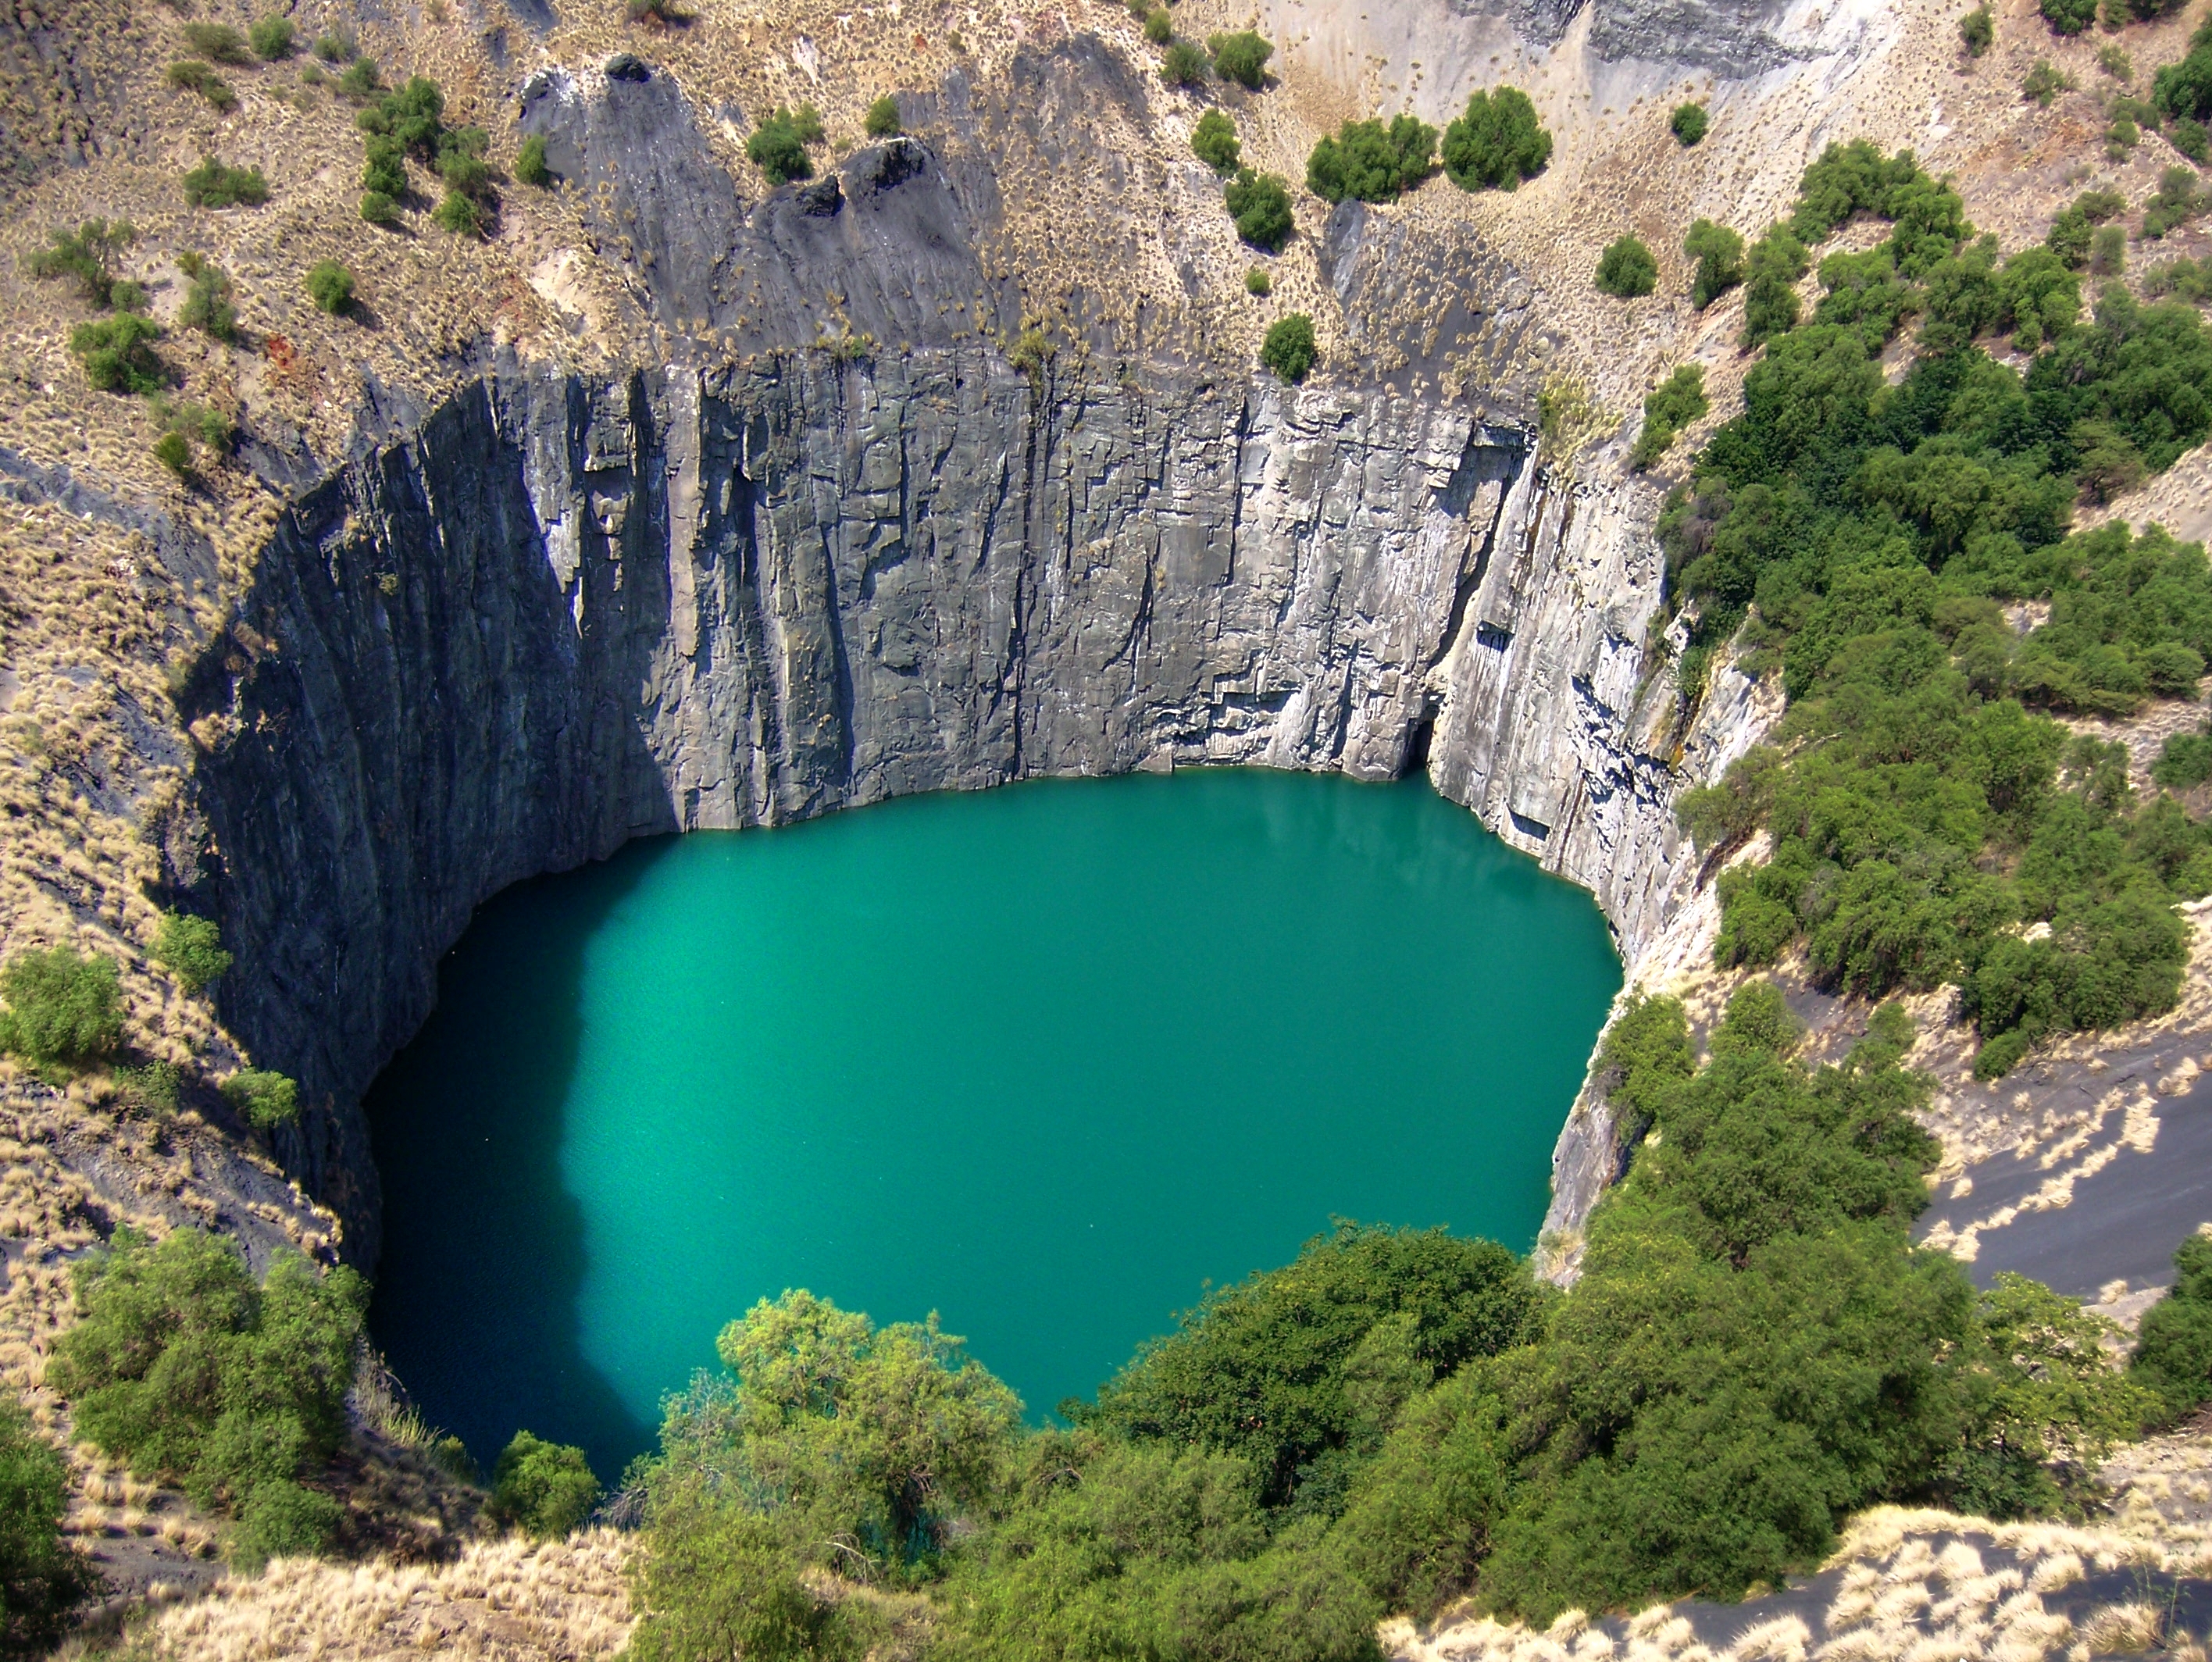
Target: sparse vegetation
[[117, 354], [1184, 65], [210, 303], [2045, 82], [264, 1100], [2181, 198], [2068, 17], [1257, 282], [271, 39], [190, 948], [1289, 348], [41, 1574], [190, 75], [1673, 405], [778, 145], [1159, 26], [1259, 204], [219, 42], [411, 122], [213, 184], [544, 1489], [1372, 162], [1496, 143], [1718, 252], [379, 209], [88, 255], [2187, 134], [2074, 229], [1242, 58], [882, 117], [529, 166], [361, 82], [174, 452], [1213, 142], [336, 48], [329, 285], [1689, 123], [1626, 270], [1978, 32], [180, 1364], [2108, 252]]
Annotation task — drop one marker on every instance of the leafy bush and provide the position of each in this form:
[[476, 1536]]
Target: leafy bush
[[87, 254], [41, 1576], [383, 165], [1777, 261], [219, 44], [1259, 203], [1213, 142], [1372, 162], [2187, 134], [2184, 89], [2045, 82], [337, 46], [265, 1100], [1718, 252], [2071, 232], [1289, 349], [183, 1367], [530, 162], [2068, 17], [174, 452], [1242, 58], [190, 75], [190, 948], [379, 209], [329, 285], [1977, 32], [271, 39], [2180, 198], [2174, 1343], [544, 1489], [460, 213], [1184, 65], [1626, 269], [361, 82], [1159, 28], [1679, 401], [2108, 252], [2114, 61], [1497, 143], [1257, 282], [212, 185], [882, 117], [62, 1010], [778, 145], [210, 304], [1688, 124]]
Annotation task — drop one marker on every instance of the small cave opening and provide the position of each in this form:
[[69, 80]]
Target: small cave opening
[[1419, 738]]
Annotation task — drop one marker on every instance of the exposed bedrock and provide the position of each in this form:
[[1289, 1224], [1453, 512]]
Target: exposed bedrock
[[562, 613]]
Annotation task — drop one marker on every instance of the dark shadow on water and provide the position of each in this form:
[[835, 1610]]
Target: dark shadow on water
[[484, 1253]]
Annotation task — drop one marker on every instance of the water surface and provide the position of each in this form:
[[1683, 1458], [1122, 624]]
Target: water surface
[[1045, 1059]]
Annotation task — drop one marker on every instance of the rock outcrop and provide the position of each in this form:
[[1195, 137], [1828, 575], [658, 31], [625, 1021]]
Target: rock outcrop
[[564, 612]]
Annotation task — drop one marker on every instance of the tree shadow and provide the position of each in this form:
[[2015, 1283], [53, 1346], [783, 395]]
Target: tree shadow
[[483, 1262]]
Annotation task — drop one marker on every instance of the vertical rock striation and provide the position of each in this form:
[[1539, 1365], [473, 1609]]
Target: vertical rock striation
[[565, 612]]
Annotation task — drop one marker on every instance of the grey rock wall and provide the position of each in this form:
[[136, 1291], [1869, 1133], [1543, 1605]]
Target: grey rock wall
[[565, 612]]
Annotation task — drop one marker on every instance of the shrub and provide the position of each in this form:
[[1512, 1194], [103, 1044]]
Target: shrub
[[379, 209], [1242, 58], [2179, 199], [1288, 349], [117, 354], [778, 145], [2046, 80], [1370, 161], [461, 214], [1213, 142], [529, 166], [192, 76], [882, 117], [1977, 32], [1666, 411], [361, 82], [209, 304], [1689, 123], [212, 185], [2073, 230], [2184, 761], [1184, 65], [1497, 143], [219, 44], [2068, 17], [2115, 62], [1259, 203], [264, 1099], [1626, 269], [383, 165], [271, 39], [189, 948], [281, 1518], [1718, 252], [336, 47], [1257, 282], [2108, 252], [88, 254], [41, 1575], [2187, 134], [544, 1489], [174, 452], [1159, 28], [2173, 1344], [184, 1367], [329, 285]]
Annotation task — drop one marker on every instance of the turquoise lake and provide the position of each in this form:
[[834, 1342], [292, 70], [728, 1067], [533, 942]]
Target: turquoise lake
[[1047, 1060]]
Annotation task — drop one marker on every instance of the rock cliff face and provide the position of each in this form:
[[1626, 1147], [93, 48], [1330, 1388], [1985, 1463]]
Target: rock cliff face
[[565, 612]]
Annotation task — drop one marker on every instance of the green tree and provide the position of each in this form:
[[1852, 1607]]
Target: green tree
[[1372, 162], [2174, 1343], [62, 1010], [1668, 408], [530, 165], [2068, 17], [213, 184], [117, 354], [41, 1575], [378, 209], [882, 117], [219, 42], [1288, 349], [88, 254], [1978, 32], [1213, 142], [1259, 203], [544, 1489], [190, 948], [778, 145], [1184, 65], [329, 285], [190, 75], [717, 1582], [1626, 269], [1718, 252], [266, 1100], [210, 304], [1242, 58], [1497, 143], [271, 39], [1688, 124]]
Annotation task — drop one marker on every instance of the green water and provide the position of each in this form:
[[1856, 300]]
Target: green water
[[1044, 1058]]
